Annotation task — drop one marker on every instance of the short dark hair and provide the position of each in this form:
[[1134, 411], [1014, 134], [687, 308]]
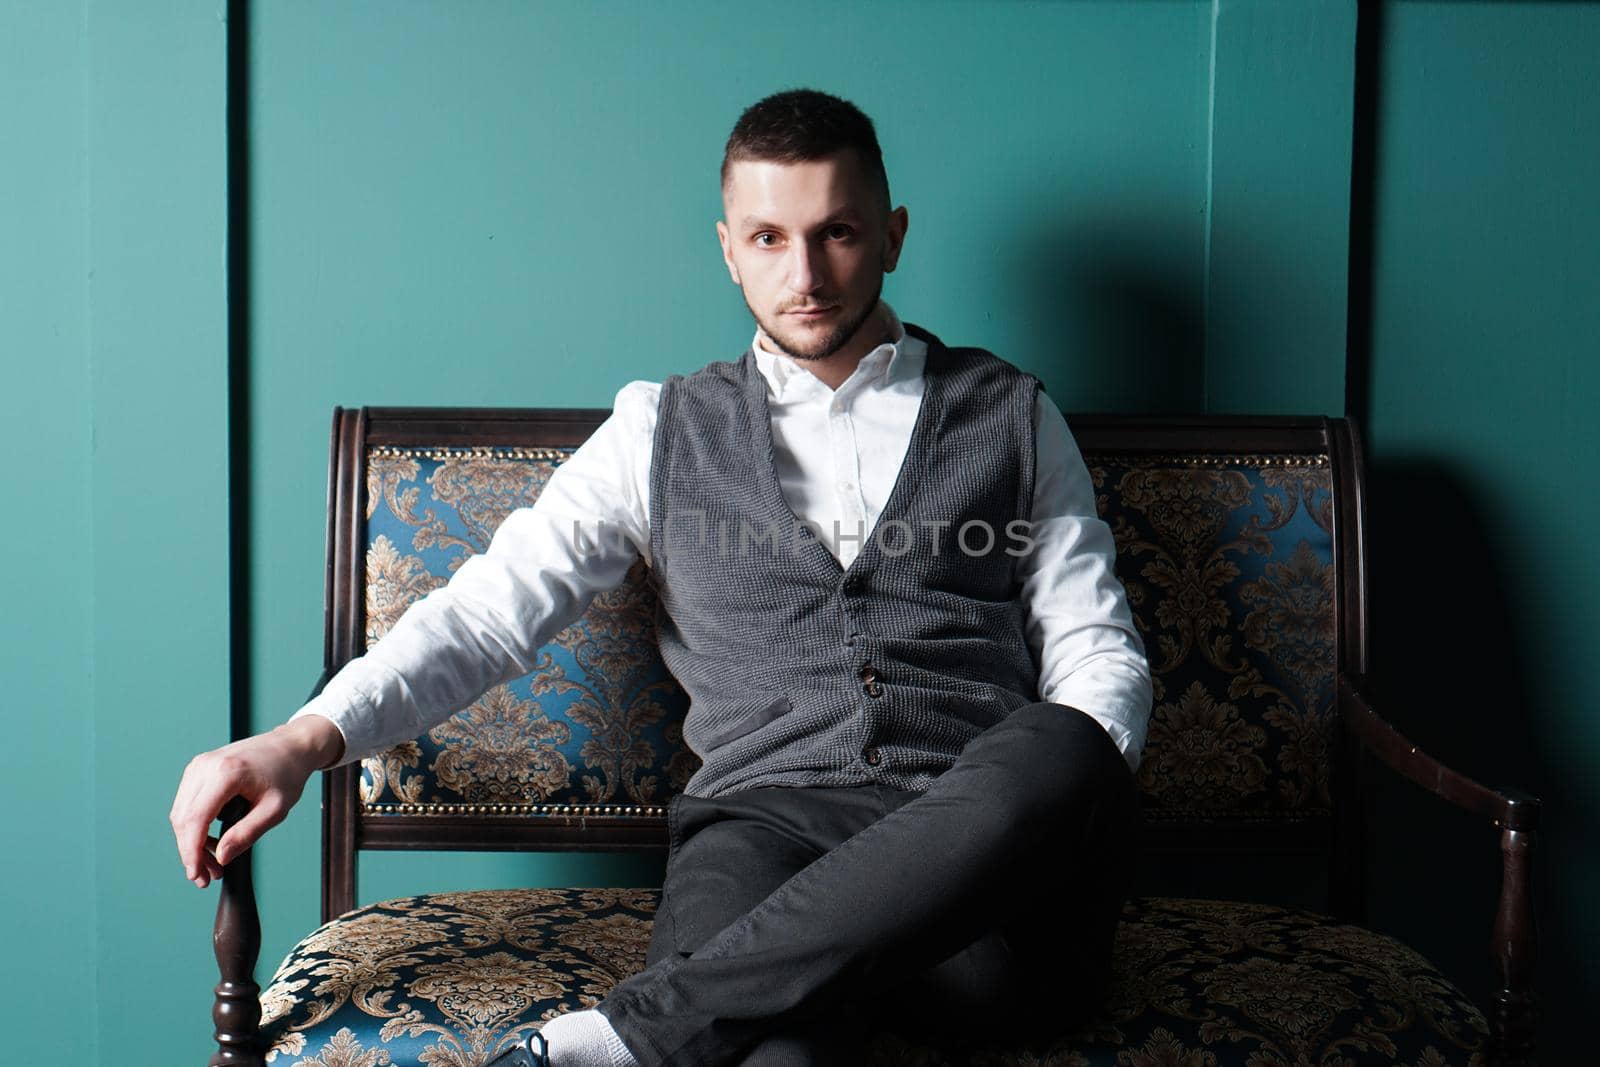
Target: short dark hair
[[800, 125]]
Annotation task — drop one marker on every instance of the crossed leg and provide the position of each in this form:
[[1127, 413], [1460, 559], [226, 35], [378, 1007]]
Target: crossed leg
[[792, 926], [730, 853]]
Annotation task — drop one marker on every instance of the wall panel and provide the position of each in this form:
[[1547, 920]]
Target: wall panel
[[1484, 379]]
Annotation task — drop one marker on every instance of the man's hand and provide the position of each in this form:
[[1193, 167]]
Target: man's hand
[[268, 770]]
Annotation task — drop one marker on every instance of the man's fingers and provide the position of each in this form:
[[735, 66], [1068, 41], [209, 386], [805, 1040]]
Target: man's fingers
[[208, 859], [194, 823], [209, 870], [179, 816], [262, 816]]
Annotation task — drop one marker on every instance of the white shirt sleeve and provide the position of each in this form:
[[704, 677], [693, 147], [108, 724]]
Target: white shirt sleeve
[[1079, 626], [543, 567]]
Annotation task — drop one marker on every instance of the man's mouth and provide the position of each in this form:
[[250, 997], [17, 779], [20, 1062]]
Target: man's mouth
[[812, 312]]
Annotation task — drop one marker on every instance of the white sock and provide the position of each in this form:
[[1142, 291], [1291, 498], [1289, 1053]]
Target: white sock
[[585, 1039]]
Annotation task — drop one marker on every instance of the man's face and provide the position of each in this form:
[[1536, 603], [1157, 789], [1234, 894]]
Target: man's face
[[809, 243]]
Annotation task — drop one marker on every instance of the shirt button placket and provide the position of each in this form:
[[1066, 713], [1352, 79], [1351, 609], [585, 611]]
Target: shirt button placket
[[852, 523]]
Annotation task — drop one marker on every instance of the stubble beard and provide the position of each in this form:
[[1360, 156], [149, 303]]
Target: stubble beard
[[832, 342]]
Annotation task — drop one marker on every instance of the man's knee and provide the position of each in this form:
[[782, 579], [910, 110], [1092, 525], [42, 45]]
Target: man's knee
[[1052, 758], [1070, 723], [1065, 741]]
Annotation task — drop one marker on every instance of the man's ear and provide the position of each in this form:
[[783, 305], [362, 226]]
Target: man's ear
[[894, 238], [726, 241]]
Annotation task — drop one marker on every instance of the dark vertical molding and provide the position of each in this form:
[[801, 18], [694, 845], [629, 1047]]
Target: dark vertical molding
[[1363, 191], [238, 288]]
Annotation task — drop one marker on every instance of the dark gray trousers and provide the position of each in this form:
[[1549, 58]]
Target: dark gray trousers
[[794, 923]]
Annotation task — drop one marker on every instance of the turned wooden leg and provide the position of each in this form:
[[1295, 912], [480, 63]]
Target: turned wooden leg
[[236, 938], [1513, 1013]]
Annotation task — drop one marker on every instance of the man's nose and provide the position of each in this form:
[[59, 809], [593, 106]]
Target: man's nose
[[806, 269]]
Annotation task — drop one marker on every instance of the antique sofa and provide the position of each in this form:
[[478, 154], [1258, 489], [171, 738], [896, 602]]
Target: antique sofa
[[1240, 545]]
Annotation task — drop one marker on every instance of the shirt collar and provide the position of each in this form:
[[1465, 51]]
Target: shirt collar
[[903, 356]]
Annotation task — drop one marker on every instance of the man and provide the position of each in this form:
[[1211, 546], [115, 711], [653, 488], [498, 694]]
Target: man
[[889, 824]]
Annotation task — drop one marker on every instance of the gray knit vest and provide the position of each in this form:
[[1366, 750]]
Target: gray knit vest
[[804, 673]]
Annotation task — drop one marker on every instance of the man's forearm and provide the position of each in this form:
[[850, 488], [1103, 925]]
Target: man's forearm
[[314, 738]]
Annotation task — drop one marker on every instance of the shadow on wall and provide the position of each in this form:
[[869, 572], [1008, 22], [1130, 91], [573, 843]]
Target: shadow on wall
[[1125, 307], [1448, 668]]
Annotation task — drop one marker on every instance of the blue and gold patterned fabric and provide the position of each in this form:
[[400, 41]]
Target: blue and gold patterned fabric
[[1227, 561], [599, 721], [450, 979], [1228, 566]]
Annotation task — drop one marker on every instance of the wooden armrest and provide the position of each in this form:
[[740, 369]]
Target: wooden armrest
[[1513, 941], [1509, 809]]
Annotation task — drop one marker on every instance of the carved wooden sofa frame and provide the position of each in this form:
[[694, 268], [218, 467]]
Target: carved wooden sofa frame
[[1261, 457]]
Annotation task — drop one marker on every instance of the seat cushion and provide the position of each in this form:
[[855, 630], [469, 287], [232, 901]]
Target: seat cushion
[[449, 979]]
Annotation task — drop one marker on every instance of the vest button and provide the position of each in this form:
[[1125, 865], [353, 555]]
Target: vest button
[[868, 672], [872, 755], [872, 689]]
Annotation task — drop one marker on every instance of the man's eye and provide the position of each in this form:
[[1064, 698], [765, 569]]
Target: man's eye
[[765, 240], [838, 232]]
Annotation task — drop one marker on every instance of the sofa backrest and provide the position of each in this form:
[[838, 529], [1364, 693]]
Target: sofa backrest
[[1238, 542]]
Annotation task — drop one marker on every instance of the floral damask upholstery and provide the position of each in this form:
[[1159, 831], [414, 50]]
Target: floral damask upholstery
[[598, 721], [450, 979], [1228, 564]]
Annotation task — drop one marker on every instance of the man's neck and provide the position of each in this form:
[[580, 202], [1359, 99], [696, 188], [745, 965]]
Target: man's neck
[[835, 369]]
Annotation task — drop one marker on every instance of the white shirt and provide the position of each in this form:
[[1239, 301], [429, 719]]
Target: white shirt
[[838, 454]]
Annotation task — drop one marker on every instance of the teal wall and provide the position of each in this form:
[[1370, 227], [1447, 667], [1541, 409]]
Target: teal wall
[[1484, 379], [113, 306], [1147, 203], [44, 631]]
